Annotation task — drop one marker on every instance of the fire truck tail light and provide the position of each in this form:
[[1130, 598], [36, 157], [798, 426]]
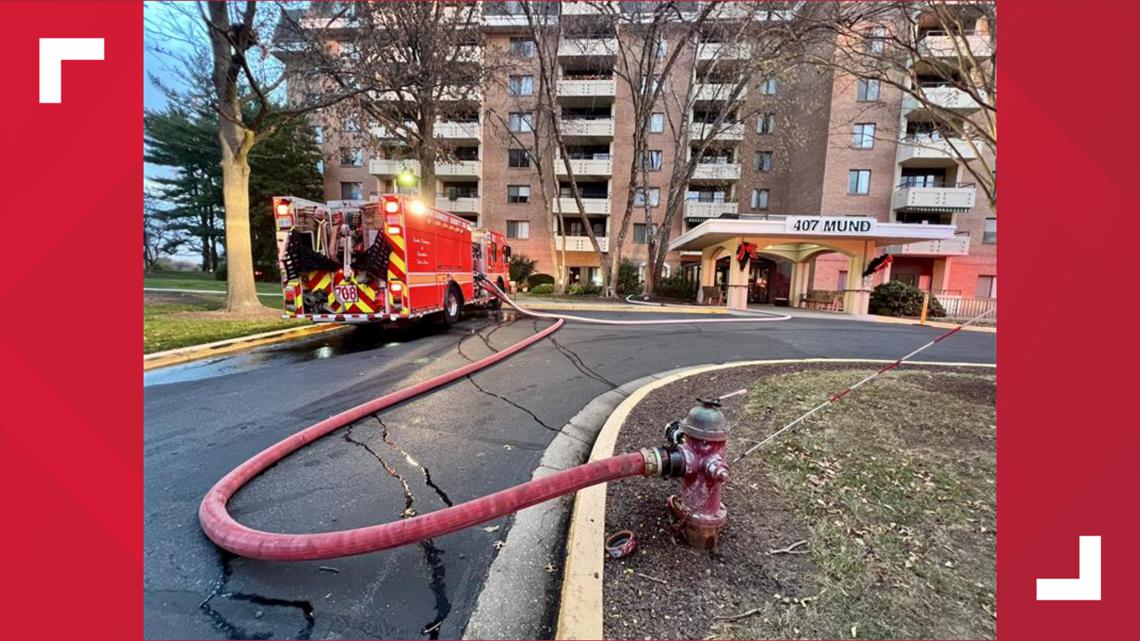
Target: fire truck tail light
[[393, 230], [397, 288], [283, 208], [391, 206]]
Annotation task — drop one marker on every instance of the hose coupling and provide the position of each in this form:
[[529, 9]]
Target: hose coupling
[[666, 462]]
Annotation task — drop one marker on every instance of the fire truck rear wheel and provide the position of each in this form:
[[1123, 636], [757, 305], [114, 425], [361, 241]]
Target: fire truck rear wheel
[[452, 305]]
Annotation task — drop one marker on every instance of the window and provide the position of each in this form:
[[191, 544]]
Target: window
[[350, 126], [875, 39], [656, 123], [351, 157], [859, 181], [662, 48], [989, 234], [987, 287], [518, 229], [763, 161], [521, 85], [639, 233], [520, 122], [863, 136], [766, 123], [522, 47], [759, 198], [518, 193], [650, 83], [651, 160], [518, 158], [654, 197], [351, 191], [319, 133], [769, 86], [842, 284], [868, 89]]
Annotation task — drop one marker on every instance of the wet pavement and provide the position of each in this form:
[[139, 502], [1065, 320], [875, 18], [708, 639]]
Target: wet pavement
[[475, 436]]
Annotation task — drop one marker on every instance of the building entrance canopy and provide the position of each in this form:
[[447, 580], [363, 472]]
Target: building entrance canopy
[[800, 239]]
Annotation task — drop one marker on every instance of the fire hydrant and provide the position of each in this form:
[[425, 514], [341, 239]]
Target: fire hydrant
[[696, 455]]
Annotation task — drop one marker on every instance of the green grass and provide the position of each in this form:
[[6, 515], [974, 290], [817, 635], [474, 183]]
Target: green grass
[[164, 329], [198, 280], [897, 486]]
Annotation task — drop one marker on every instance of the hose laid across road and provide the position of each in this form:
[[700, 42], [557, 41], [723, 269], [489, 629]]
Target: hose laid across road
[[221, 527]]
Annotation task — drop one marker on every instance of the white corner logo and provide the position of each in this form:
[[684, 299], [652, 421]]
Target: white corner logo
[[1086, 587], [53, 51]]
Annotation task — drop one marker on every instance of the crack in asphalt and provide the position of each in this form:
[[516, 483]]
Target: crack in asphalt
[[579, 364], [527, 411], [234, 631], [436, 570]]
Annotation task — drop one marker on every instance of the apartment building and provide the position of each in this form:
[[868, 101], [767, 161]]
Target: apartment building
[[802, 140]]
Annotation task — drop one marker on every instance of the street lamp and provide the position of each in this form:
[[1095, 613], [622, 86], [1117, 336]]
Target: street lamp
[[406, 179]]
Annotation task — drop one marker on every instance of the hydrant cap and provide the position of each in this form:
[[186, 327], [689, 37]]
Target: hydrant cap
[[706, 422]]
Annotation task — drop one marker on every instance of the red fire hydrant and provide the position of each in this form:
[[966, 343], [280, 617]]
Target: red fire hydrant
[[696, 455]]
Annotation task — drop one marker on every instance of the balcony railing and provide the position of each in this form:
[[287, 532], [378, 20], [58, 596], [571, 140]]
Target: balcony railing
[[940, 44], [387, 167], [696, 209], [944, 96], [728, 131], [573, 47], [723, 51], [459, 168], [459, 204], [716, 171], [458, 130], [934, 196], [580, 243], [587, 88], [601, 127], [592, 205], [585, 166], [718, 91], [957, 246], [930, 148]]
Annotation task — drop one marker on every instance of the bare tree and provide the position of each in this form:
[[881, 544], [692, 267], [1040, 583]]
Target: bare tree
[[941, 55]]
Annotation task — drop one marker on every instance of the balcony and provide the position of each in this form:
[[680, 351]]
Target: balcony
[[946, 97], [728, 131], [605, 87], [506, 22], [585, 166], [723, 51], [458, 130], [957, 246], [716, 171], [580, 8], [471, 205], [598, 206], [387, 167], [698, 210], [946, 198], [580, 243], [939, 44], [717, 91], [927, 150], [469, 168], [583, 128], [574, 47]]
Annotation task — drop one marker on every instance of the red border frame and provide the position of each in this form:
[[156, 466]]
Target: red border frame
[[71, 431]]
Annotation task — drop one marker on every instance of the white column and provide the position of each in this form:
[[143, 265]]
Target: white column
[[737, 281]]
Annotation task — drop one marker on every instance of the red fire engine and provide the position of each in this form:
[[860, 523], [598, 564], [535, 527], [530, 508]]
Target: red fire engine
[[388, 260]]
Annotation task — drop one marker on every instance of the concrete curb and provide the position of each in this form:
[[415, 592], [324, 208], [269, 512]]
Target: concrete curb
[[617, 307], [178, 290], [230, 345], [581, 606]]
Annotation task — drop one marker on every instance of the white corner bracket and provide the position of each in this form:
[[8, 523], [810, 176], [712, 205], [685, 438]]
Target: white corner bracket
[[53, 51], [1086, 587]]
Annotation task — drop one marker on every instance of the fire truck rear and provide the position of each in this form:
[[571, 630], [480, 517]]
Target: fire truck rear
[[388, 260]]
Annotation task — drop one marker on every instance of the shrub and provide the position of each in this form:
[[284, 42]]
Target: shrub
[[220, 273], [521, 268], [676, 286], [580, 289], [545, 288], [534, 280], [897, 298], [628, 284]]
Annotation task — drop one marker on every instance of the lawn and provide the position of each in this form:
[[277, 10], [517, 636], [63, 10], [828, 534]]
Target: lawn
[[169, 322], [890, 496], [199, 281]]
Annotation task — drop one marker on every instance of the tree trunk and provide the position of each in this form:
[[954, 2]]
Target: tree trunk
[[427, 160], [241, 294]]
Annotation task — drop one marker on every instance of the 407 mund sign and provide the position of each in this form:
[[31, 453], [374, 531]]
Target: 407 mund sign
[[846, 225]]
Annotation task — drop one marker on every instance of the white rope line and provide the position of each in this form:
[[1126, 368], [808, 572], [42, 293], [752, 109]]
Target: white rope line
[[842, 393]]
